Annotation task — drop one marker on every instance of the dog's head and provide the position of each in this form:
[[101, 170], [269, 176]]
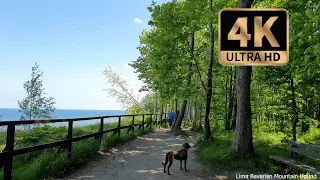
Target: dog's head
[[186, 146]]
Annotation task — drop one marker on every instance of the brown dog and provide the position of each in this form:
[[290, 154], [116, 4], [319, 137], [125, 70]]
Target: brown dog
[[181, 155]]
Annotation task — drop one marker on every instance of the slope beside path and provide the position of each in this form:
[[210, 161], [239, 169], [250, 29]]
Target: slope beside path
[[141, 159]]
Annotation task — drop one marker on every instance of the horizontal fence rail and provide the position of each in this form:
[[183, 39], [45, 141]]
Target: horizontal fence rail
[[6, 156]]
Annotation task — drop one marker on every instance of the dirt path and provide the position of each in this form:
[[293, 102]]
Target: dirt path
[[141, 159]]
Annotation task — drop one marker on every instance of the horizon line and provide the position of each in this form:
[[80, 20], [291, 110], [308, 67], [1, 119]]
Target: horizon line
[[75, 109]]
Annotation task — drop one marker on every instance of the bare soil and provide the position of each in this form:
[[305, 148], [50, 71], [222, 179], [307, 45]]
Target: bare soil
[[141, 159]]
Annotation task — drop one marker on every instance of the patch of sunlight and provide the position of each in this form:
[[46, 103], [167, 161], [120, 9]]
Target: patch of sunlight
[[149, 171], [221, 177], [122, 160], [133, 152], [151, 139]]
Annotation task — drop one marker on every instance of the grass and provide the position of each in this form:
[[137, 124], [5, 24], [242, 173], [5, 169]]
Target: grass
[[267, 140], [48, 164]]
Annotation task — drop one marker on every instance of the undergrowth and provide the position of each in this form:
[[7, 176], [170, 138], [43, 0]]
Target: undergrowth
[[267, 140]]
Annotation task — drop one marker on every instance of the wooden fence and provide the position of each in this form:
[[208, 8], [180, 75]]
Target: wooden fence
[[6, 156]]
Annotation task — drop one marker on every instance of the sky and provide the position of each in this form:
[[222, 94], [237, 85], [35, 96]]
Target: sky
[[72, 41]]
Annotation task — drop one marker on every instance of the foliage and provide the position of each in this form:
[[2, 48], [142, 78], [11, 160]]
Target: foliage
[[164, 56], [164, 51], [219, 156], [36, 106], [134, 109], [118, 88], [147, 102]]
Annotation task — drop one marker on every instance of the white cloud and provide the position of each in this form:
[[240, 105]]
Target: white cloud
[[137, 20]]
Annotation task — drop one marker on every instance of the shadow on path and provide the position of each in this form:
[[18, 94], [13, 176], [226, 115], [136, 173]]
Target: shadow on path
[[141, 159]]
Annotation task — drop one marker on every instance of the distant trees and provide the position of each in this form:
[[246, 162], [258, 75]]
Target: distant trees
[[147, 102], [36, 105]]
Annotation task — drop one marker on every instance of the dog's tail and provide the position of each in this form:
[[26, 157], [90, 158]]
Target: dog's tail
[[165, 163]]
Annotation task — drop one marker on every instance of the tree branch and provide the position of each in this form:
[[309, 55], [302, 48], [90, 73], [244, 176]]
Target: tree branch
[[202, 83]]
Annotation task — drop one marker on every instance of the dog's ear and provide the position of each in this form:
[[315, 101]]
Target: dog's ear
[[186, 145]]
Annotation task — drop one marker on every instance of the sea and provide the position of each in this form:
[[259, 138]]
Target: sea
[[13, 114]]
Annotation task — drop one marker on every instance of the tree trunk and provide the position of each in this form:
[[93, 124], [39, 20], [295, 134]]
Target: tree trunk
[[177, 124], [231, 100], [257, 102], [295, 110], [155, 105], [186, 117], [194, 122], [200, 116], [281, 123], [207, 131], [190, 111], [243, 144], [161, 110], [226, 122], [272, 91], [176, 113], [305, 125], [234, 107]]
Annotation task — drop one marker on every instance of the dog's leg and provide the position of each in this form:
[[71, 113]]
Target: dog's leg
[[181, 164], [170, 163], [165, 163], [185, 165]]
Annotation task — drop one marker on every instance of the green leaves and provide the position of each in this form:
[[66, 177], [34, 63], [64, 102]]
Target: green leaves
[[118, 88], [164, 56], [164, 48], [36, 106], [303, 64]]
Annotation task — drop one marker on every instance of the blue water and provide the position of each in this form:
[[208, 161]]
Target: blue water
[[11, 114]]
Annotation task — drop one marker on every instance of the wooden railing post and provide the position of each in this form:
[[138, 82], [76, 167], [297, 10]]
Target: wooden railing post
[[132, 125], [143, 123], [69, 136], [119, 126], [101, 130], [150, 121], [9, 147]]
